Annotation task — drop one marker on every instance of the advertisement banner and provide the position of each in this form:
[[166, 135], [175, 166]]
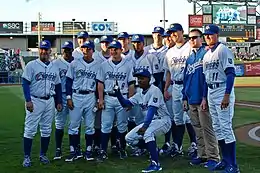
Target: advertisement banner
[[257, 21], [229, 14], [11, 27], [237, 31], [195, 21], [207, 19], [103, 28], [251, 10], [251, 20], [252, 69], [239, 69], [67, 27], [206, 9], [44, 26]]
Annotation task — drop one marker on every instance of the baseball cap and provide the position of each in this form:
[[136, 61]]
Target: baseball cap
[[159, 30], [137, 38], [45, 44], [143, 72], [106, 38], [83, 34], [211, 29], [88, 44], [166, 33], [122, 35], [175, 27], [67, 45], [115, 44]]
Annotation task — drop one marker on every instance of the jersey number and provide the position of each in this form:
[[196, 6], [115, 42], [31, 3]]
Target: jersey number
[[215, 76]]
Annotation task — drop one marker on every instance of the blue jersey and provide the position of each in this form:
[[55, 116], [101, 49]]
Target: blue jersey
[[194, 79]]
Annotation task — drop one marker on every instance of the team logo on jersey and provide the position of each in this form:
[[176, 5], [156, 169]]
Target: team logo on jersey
[[179, 60], [212, 64], [88, 74], [230, 61], [192, 67], [63, 73], [144, 107], [45, 76], [120, 76], [155, 100]]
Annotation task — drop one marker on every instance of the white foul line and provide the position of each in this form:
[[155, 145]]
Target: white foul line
[[248, 105]]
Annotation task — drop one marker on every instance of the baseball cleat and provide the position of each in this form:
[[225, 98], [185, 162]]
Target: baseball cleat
[[211, 164], [89, 156], [166, 148], [175, 151], [44, 159], [153, 167], [27, 162], [231, 169], [138, 152], [71, 157], [220, 166], [102, 156], [79, 153], [198, 161], [192, 150], [122, 154], [57, 154], [114, 149]]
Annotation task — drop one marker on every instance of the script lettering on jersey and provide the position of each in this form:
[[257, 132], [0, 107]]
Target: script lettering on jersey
[[140, 68], [192, 67], [62, 73], [144, 107], [120, 76], [212, 64], [179, 60], [86, 74], [45, 76]]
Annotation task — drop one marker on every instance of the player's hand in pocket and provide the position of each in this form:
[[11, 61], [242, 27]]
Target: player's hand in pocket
[[167, 95], [204, 105], [101, 105], [70, 104], [185, 105], [29, 106], [59, 107], [225, 102]]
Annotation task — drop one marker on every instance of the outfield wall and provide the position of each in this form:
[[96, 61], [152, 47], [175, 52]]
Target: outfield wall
[[248, 69]]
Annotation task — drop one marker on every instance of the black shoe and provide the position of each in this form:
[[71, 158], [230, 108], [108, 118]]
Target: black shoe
[[102, 156], [71, 157], [122, 154], [58, 154], [79, 152]]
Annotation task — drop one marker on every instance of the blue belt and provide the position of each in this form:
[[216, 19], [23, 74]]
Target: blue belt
[[177, 82], [43, 98], [84, 92], [113, 94], [215, 85]]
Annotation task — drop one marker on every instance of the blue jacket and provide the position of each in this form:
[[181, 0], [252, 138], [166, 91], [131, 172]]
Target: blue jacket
[[194, 84]]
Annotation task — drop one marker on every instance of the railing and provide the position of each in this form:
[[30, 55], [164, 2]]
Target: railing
[[14, 77]]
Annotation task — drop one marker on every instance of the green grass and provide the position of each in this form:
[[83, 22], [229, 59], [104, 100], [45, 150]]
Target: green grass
[[248, 94], [248, 81], [242, 62], [12, 119]]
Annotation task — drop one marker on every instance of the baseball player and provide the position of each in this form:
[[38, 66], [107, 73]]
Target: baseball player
[[196, 102], [81, 38], [123, 38], [115, 69], [61, 117], [174, 64], [104, 54], [81, 98], [156, 117], [40, 83], [159, 50], [219, 70]]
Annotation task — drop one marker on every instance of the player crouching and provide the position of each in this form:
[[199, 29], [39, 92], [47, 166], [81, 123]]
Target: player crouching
[[157, 119]]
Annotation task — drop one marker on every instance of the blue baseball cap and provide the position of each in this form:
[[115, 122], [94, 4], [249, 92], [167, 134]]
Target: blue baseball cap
[[67, 45], [115, 44], [211, 29], [159, 30], [83, 34], [106, 38], [166, 33], [137, 38], [175, 27], [45, 44], [142, 72], [88, 44], [123, 35]]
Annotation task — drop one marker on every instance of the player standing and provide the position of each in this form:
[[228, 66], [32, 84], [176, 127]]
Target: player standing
[[81, 38], [219, 70], [61, 117], [81, 98], [123, 38], [196, 102], [174, 64], [104, 54], [115, 69], [40, 81], [156, 117]]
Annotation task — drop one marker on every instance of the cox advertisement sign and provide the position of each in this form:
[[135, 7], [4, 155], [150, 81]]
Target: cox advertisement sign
[[103, 27], [239, 69]]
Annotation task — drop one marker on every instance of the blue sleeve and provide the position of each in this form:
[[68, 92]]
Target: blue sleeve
[[26, 89], [149, 117], [230, 72], [69, 83], [184, 97], [158, 78], [124, 102], [58, 95], [205, 88]]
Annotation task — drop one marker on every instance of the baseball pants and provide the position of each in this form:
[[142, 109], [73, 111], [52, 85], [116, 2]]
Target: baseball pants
[[61, 117]]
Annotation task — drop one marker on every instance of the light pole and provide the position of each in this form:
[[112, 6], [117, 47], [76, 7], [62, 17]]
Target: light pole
[[164, 20], [73, 34], [105, 21]]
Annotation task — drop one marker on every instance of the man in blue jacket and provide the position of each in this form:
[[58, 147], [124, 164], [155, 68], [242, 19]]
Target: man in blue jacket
[[195, 100]]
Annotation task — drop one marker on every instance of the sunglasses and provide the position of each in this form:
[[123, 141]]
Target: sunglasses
[[193, 37]]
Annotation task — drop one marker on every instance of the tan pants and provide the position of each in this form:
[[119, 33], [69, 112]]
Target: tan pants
[[207, 142]]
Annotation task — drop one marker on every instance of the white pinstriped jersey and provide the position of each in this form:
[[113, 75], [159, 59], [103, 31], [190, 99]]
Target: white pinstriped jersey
[[100, 57], [77, 53], [215, 63]]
